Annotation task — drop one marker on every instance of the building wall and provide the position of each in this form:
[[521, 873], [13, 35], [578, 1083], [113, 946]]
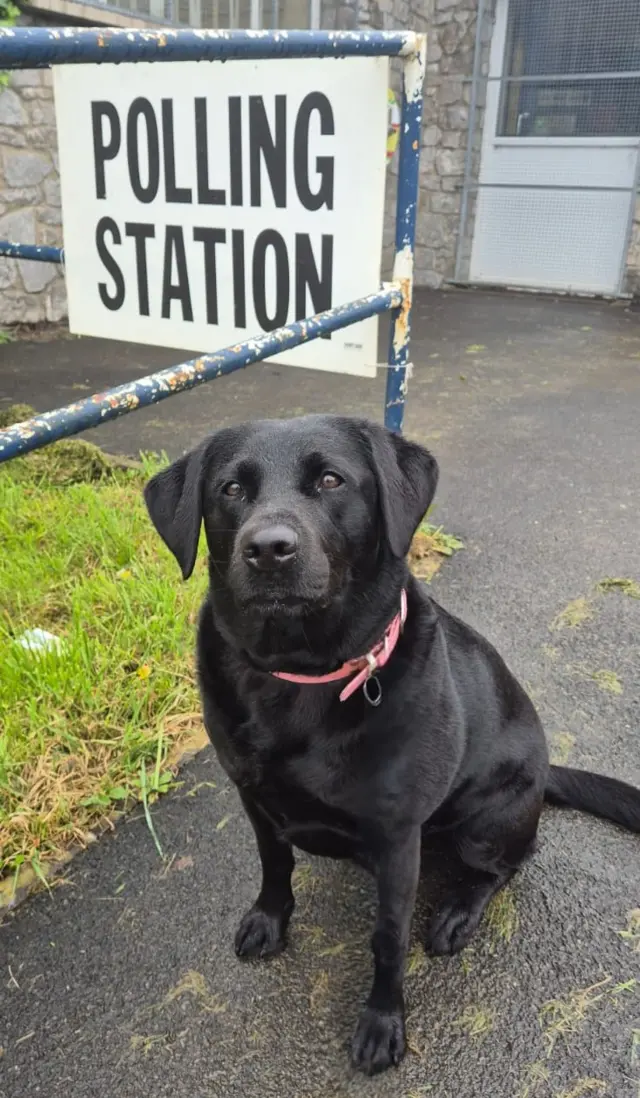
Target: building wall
[[29, 198], [29, 184]]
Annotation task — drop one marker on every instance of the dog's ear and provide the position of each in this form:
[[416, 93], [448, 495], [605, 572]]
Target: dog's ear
[[174, 501], [407, 477]]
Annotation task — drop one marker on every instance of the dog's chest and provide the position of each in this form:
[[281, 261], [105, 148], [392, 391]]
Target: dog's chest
[[306, 781], [296, 770]]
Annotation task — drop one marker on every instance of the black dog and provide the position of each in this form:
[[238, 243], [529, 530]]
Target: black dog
[[308, 523]]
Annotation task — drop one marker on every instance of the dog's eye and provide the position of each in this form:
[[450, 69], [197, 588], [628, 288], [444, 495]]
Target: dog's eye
[[233, 490], [330, 480]]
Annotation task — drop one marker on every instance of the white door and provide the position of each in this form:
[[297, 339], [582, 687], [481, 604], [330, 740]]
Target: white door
[[560, 145]]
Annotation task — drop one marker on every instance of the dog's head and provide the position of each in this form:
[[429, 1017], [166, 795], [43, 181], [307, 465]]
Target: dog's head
[[295, 511]]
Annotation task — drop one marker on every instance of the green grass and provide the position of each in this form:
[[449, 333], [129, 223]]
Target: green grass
[[89, 727], [561, 1019], [502, 916]]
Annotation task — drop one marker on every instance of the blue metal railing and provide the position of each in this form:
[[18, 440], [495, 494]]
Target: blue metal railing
[[42, 253], [102, 407], [38, 47]]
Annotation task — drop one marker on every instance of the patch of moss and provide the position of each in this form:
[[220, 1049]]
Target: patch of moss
[[607, 681], [561, 744], [627, 587], [575, 613]]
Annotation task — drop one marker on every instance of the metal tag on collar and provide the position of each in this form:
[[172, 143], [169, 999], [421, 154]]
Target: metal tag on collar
[[372, 690]]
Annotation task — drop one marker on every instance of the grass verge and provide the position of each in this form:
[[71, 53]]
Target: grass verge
[[95, 722], [92, 724]]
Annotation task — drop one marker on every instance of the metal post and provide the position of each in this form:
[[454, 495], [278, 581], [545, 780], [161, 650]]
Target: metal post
[[406, 211], [256, 15], [634, 196], [471, 129]]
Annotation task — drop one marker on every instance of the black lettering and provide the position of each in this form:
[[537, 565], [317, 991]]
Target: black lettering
[[141, 108], [171, 191], [102, 152], [210, 237], [239, 292], [270, 239], [313, 200], [235, 148], [307, 277], [115, 300], [141, 232], [175, 291], [206, 195], [273, 150]]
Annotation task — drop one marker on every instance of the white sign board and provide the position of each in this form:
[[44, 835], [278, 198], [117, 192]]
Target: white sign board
[[204, 203]]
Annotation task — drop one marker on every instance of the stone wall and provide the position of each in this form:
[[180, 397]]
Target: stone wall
[[448, 99], [29, 198]]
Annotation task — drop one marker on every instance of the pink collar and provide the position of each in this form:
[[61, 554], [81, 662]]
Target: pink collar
[[364, 667]]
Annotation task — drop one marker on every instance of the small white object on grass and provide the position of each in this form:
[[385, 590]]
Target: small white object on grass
[[38, 640]]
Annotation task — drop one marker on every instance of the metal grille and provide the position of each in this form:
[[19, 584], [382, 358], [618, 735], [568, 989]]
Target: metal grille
[[566, 38], [585, 108], [546, 37], [553, 152]]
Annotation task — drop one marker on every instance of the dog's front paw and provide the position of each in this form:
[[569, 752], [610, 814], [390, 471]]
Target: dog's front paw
[[379, 1041], [452, 926], [260, 934]]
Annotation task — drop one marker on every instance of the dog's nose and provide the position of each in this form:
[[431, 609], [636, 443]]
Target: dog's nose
[[271, 548]]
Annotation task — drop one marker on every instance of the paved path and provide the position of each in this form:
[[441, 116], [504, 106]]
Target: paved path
[[124, 982]]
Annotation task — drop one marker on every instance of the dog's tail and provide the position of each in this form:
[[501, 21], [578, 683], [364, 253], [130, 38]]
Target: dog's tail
[[594, 793]]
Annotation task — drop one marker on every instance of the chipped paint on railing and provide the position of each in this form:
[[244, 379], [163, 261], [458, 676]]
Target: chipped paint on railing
[[402, 319], [35, 47], [415, 68], [406, 210], [83, 414]]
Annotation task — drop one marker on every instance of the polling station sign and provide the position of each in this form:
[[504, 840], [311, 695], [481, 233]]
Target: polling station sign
[[204, 203]]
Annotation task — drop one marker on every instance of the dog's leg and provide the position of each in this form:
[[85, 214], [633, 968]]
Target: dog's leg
[[262, 930], [492, 848], [380, 1037]]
